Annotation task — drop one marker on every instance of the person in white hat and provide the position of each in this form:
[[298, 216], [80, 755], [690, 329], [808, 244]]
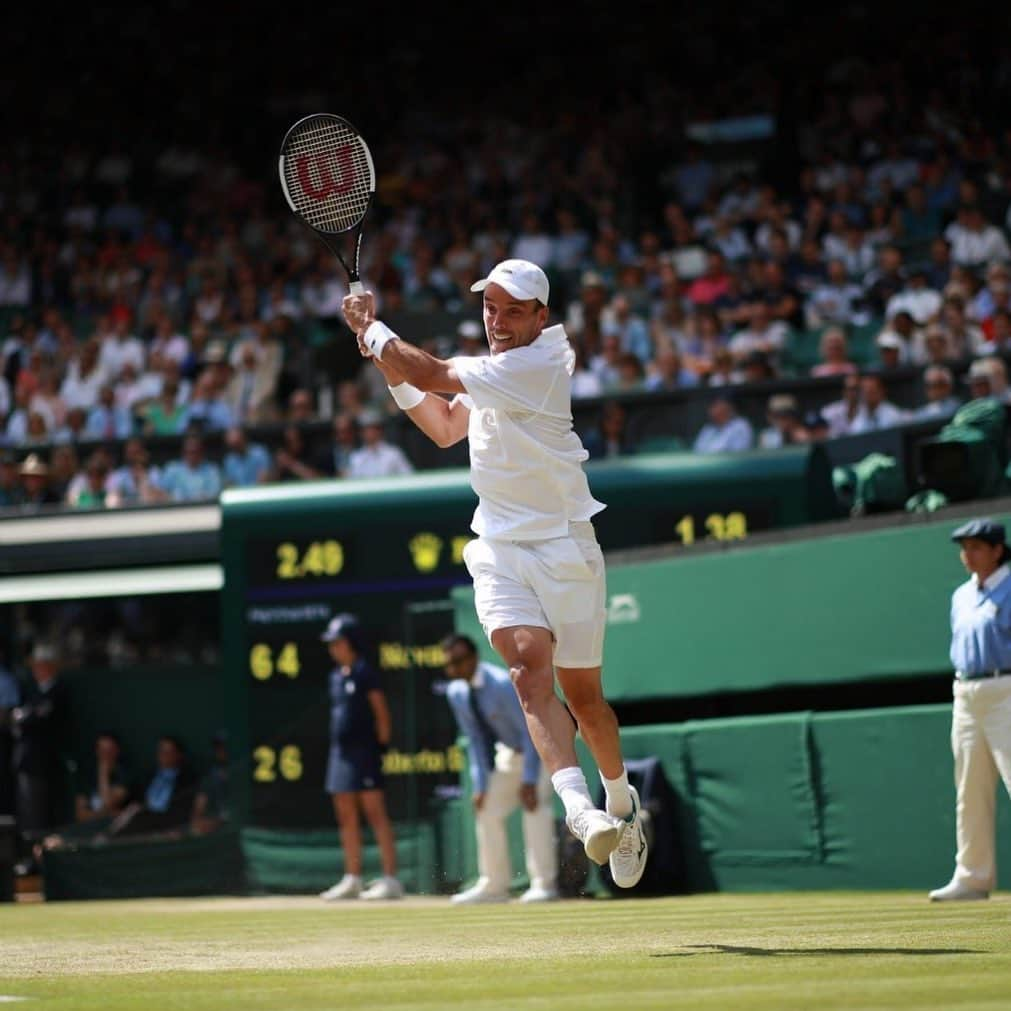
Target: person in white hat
[[537, 568]]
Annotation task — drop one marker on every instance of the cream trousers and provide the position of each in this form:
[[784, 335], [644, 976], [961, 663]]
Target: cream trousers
[[981, 744]]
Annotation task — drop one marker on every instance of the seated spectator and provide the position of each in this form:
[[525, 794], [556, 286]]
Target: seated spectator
[[835, 359], [376, 457], [632, 330], [726, 431], [785, 423], [136, 481], [714, 281], [250, 392], [585, 382], [166, 414], [931, 346], [166, 805], [293, 458], [192, 477], [610, 436], [84, 377], [470, 339], [212, 806], [939, 386], [35, 490], [763, 333], [107, 420], [246, 463], [903, 333], [975, 241], [917, 298], [631, 372], [109, 791], [755, 367], [333, 459], [207, 407], [606, 363], [842, 414], [965, 338], [987, 377], [74, 428], [10, 480], [837, 300], [816, 425], [998, 331], [301, 406], [667, 371], [91, 493], [876, 410], [891, 351]]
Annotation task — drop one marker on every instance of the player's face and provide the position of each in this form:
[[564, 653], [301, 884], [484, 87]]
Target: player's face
[[510, 322]]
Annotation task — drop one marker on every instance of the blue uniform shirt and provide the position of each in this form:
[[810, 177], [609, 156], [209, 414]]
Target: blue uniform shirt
[[352, 721], [981, 624], [494, 693]]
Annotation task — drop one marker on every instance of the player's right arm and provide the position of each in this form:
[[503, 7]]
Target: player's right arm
[[443, 421]]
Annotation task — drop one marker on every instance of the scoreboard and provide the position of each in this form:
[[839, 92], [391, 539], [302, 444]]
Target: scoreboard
[[390, 551]]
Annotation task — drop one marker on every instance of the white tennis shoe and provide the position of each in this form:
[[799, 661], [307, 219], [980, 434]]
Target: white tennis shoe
[[479, 892], [628, 860], [384, 888], [598, 832], [349, 887]]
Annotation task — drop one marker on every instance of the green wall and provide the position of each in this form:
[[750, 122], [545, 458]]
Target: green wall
[[848, 607]]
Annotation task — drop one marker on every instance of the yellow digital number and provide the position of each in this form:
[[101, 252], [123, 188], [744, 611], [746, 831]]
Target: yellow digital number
[[321, 558], [719, 526], [291, 762], [737, 526], [287, 561], [333, 557], [261, 664], [686, 529], [287, 660], [265, 760], [268, 762]]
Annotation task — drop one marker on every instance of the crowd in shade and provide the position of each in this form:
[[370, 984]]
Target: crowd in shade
[[150, 292]]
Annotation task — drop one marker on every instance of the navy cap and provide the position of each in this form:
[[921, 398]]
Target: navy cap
[[983, 529], [344, 626]]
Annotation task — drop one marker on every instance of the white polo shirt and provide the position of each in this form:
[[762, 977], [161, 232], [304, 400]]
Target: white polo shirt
[[525, 457]]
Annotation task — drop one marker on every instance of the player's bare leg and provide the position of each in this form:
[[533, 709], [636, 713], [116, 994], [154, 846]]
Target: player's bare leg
[[598, 725], [528, 652]]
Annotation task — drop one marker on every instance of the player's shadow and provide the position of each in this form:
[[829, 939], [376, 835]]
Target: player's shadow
[[753, 952]]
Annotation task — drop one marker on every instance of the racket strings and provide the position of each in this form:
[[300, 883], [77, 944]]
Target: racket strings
[[328, 174]]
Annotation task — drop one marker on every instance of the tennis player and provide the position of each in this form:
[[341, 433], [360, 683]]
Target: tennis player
[[538, 571]]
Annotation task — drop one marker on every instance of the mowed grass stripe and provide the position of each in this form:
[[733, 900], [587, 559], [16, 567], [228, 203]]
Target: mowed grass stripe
[[832, 950]]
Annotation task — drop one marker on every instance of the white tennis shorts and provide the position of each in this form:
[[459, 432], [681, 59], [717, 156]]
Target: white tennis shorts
[[557, 584]]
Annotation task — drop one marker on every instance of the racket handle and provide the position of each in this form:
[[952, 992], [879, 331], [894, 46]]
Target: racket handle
[[357, 288]]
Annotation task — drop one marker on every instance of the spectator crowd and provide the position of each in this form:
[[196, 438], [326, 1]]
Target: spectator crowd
[[170, 300]]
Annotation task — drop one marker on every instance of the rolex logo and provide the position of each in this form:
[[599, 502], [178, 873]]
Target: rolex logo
[[425, 550]]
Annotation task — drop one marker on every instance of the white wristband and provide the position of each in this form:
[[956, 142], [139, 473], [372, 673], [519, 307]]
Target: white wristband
[[407, 396], [377, 337]]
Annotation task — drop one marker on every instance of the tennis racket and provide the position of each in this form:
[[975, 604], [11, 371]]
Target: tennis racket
[[329, 180]]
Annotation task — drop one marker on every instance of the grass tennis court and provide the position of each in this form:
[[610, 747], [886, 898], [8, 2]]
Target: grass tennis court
[[783, 951]]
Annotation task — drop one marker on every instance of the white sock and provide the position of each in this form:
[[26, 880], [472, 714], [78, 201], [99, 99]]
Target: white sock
[[570, 785], [619, 800]]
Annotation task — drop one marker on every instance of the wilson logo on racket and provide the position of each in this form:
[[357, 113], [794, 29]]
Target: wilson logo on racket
[[316, 176]]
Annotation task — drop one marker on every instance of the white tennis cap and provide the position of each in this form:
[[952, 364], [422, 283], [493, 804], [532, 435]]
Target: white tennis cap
[[521, 278]]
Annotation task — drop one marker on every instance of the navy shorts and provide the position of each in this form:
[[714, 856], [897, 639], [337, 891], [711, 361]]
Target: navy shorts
[[353, 771]]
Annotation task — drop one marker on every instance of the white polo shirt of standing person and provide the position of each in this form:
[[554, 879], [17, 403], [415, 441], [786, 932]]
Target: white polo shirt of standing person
[[537, 569]]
